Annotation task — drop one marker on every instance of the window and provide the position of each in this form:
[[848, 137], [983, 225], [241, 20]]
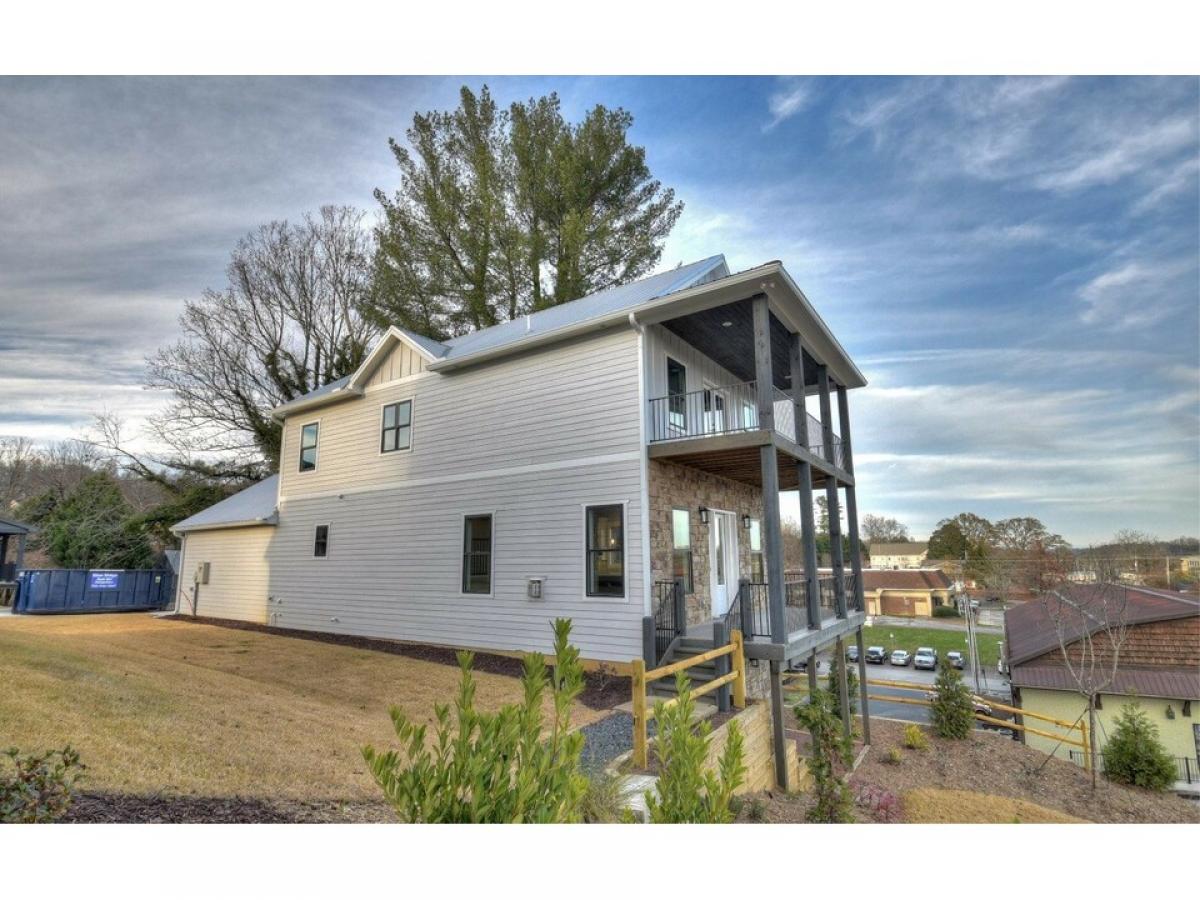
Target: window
[[605, 551], [677, 391], [308, 446], [321, 541], [396, 431], [477, 555], [758, 567], [681, 554]]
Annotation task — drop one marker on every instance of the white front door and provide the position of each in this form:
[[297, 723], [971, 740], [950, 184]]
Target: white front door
[[723, 559]]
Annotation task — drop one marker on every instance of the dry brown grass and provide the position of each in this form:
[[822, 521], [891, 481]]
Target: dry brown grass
[[157, 706], [955, 807]]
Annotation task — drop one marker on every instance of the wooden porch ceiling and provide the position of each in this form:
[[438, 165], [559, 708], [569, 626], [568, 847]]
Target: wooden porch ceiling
[[736, 457]]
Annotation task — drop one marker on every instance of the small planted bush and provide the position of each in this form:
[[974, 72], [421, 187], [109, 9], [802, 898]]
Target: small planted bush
[[914, 738], [688, 791], [38, 787], [894, 757], [836, 666], [946, 612], [952, 711], [831, 754], [508, 766], [1134, 755]]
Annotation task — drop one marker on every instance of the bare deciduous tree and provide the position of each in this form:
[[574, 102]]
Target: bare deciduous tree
[[1091, 623], [883, 529], [287, 323]]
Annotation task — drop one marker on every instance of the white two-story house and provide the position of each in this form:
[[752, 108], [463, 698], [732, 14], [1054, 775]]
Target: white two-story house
[[616, 460]]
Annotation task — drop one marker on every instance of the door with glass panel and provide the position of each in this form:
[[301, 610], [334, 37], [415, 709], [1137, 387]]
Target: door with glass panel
[[723, 560]]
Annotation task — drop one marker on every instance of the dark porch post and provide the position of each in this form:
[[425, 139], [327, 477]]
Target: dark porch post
[[862, 685], [851, 498], [831, 496], [843, 685], [765, 394], [808, 533]]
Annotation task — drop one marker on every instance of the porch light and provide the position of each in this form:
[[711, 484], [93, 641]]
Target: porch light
[[1170, 712], [745, 521], [704, 515], [726, 324]]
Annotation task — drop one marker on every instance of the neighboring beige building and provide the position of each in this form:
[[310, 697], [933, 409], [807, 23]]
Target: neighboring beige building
[[1159, 664], [907, 555], [906, 592]]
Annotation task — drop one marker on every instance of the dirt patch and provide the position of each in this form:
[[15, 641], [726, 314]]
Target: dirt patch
[[154, 810], [602, 690], [969, 807]]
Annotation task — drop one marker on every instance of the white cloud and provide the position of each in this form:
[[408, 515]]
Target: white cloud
[[1136, 294], [1120, 155], [790, 100]]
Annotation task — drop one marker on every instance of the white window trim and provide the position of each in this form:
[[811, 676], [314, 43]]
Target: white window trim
[[300, 446], [328, 543], [606, 598], [462, 532], [412, 425]]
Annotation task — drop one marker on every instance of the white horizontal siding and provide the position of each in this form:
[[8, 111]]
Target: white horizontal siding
[[394, 564], [238, 582], [571, 400]]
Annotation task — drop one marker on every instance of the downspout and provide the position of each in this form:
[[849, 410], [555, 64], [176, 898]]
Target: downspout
[[647, 584]]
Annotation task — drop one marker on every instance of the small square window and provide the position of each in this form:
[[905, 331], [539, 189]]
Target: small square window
[[321, 541]]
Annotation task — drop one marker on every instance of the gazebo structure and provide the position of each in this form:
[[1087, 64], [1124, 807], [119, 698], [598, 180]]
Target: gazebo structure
[[12, 548]]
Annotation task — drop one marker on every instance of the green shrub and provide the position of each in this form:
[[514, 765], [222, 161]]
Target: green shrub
[[37, 788], [952, 711], [498, 767], [687, 791], [604, 799], [946, 612], [836, 665], [914, 738], [894, 757], [830, 751], [1134, 755]]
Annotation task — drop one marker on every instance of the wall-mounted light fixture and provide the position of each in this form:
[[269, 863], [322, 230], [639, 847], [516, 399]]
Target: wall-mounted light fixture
[[704, 515], [746, 521], [1170, 711], [1187, 708]]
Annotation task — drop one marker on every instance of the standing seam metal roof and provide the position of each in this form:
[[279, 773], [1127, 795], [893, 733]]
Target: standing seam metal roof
[[256, 505]]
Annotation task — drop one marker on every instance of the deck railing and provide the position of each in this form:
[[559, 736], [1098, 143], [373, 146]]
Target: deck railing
[[750, 612], [670, 616], [1187, 768], [729, 409]]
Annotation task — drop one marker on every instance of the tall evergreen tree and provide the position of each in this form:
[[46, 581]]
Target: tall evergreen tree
[[503, 212]]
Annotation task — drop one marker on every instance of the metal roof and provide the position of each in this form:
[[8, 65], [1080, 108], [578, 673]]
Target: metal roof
[[905, 580], [1175, 683], [8, 526], [256, 505]]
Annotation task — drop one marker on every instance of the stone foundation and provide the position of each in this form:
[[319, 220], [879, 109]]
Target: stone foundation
[[672, 486]]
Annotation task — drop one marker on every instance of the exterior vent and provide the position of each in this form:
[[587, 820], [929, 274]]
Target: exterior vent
[[534, 586]]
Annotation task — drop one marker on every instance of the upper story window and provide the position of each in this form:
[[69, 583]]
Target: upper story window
[[681, 552], [396, 430], [677, 390], [308, 446], [605, 551]]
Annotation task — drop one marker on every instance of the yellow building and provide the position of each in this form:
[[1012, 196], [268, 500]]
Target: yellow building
[[1159, 664], [905, 592]]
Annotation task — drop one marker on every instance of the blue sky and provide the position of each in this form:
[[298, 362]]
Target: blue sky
[[1014, 264]]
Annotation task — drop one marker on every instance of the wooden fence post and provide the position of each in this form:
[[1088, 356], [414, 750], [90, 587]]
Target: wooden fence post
[[640, 757], [739, 667]]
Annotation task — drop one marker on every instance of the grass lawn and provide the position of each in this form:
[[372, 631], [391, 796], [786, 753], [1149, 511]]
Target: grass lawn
[[183, 708], [940, 639]]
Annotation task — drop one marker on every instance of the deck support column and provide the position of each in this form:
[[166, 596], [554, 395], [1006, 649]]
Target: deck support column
[[808, 533], [832, 505], [862, 685], [779, 739], [768, 460], [851, 499], [843, 686]]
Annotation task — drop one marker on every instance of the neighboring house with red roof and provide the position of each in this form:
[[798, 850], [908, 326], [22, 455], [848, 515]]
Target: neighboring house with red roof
[[906, 592], [1158, 662]]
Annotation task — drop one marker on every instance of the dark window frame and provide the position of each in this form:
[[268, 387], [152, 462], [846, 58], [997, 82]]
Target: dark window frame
[[469, 556], [393, 431], [758, 558], [676, 400], [321, 542], [314, 446], [593, 554]]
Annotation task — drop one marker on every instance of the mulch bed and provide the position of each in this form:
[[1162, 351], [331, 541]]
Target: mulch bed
[[134, 809], [602, 690], [986, 763]]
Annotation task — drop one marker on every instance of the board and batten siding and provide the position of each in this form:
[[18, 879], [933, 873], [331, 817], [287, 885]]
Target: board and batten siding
[[238, 581], [530, 439], [701, 370], [402, 362]]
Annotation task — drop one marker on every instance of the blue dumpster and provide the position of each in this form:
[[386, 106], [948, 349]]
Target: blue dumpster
[[93, 590]]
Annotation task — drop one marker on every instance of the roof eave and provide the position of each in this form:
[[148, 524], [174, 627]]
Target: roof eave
[[279, 413], [272, 519]]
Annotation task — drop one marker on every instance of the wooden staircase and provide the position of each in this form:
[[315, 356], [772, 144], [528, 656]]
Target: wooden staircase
[[699, 674]]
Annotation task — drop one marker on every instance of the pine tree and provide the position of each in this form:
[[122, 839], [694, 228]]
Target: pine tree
[[1134, 754], [953, 712]]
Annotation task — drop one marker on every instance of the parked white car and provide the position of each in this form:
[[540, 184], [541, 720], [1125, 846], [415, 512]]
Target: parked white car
[[925, 658], [900, 657]]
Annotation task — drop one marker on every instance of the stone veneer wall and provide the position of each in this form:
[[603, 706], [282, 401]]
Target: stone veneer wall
[[673, 486]]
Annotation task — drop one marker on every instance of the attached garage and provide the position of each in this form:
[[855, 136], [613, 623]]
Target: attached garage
[[898, 604], [223, 571]]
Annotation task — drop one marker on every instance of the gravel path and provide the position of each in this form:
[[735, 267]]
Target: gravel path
[[605, 740]]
